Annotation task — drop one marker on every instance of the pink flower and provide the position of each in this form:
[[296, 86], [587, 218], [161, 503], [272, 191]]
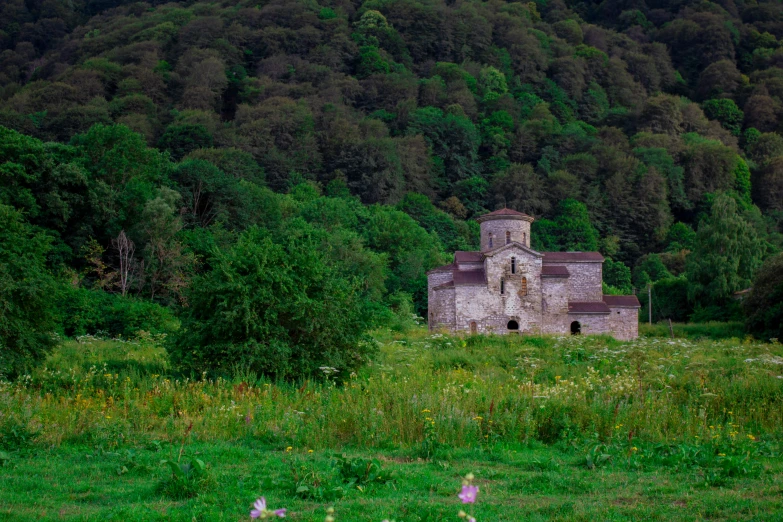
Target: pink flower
[[468, 494], [261, 511]]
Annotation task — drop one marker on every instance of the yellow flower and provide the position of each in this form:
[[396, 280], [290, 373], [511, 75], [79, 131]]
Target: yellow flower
[[425, 411], [721, 454], [309, 451], [634, 449], [289, 448]]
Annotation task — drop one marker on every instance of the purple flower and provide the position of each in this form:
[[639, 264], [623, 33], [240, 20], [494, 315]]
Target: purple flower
[[262, 512], [468, 494]]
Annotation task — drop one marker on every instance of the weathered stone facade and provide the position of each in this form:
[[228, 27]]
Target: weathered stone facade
[[509, 288]]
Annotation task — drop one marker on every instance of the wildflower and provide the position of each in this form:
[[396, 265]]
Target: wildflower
[[468, 494], [309, 451], [261, 511], [289, 448], [425, 411], [751, 437]]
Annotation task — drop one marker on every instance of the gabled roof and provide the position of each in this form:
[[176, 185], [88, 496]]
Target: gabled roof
[[589, 307], [554, 271], [505, 213], [572, 257], [468, 257], [516, 244], [469, 277], [622, 301]]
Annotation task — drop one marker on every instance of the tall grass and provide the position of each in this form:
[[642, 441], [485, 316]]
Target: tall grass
[[422, 390]]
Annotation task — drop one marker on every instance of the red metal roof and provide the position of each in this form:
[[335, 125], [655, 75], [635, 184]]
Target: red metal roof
[[590, 307], [468, 257], [470, 277], [622, 301], [572, 257], [554, 271]]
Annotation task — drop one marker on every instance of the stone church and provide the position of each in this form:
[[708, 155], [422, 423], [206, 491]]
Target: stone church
[[508, 287]]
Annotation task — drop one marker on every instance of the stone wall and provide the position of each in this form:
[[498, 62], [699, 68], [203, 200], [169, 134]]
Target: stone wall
[[437, 299], [519, 228], [443, 315], [554, 306], [584, 281], [624, 323], [492, 310], [591, 324]]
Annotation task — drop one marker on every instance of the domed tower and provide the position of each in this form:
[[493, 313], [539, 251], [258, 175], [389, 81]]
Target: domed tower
[[503, 226]]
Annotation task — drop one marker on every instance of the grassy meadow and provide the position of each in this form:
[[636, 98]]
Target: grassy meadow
[[553, 428]]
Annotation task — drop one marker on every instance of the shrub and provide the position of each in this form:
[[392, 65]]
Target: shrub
[[26, 312], [82, 311], [764, 307], [284, 310]]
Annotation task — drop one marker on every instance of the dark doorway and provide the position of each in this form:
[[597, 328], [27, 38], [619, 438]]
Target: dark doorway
[[576, 328], [513, 325], [473, 327]]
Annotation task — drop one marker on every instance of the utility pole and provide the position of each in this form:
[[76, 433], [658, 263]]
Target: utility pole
[[649, 301]]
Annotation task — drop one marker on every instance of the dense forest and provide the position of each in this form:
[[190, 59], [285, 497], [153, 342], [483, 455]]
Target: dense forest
[[278, 175]]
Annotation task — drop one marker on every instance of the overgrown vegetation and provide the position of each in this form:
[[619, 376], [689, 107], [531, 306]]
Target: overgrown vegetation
[[151, 145], [536, 418]]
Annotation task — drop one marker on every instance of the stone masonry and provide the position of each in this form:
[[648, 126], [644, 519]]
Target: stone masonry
[[507, 287]]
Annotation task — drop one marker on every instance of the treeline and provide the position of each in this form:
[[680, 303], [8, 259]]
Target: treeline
[[187, 132]]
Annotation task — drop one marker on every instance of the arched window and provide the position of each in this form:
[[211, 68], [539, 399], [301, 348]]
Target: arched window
[[490, 241], [508, 237], [512, 325], [502, 286], [513, 265], [473, 327], [523, 286]]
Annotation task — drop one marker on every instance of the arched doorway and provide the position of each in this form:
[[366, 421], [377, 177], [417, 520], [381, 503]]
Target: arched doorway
[[473, 327], [513, 325], [576, 328]]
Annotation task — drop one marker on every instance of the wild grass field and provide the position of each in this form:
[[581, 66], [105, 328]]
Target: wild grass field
[[553, 428]]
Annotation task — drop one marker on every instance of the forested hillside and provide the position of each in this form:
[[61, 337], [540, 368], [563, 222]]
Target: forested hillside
[[365, 136]]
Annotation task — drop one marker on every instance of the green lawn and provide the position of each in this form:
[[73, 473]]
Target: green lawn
[[552, 428]]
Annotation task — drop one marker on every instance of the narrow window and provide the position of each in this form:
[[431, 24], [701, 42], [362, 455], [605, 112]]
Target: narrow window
[[513, 265], [490, 241], [508, 237], [524, 238], [502, 286], [523, 287]]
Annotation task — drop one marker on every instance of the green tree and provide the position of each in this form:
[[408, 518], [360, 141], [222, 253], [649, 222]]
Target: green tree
[[26, 295], [277, 307], [726, 112], [617, 275], [454, 140], [570, 230], [727, 252], [764, 306]]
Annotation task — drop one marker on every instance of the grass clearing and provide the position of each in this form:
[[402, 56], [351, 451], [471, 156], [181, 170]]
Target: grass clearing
[[572, 428]]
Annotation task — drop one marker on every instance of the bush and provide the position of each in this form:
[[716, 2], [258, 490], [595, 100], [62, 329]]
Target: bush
[[83, 311], [284, 310], [26, 312], [764, 306]]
